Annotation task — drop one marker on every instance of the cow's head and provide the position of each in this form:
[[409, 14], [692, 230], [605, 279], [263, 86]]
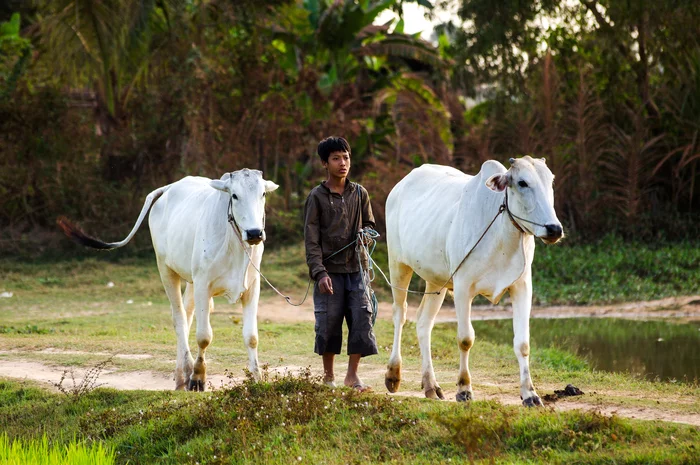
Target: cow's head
[[530, 194], [247, 190]]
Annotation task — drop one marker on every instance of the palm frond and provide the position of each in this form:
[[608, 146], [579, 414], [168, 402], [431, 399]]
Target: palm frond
[[406, 47]]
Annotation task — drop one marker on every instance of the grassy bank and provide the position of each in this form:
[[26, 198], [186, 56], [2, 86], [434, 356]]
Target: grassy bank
[[294, 420]]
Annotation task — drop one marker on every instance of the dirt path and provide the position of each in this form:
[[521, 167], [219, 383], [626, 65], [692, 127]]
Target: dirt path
[[686, 308]]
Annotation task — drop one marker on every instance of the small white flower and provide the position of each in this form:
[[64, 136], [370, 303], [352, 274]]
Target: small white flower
[[110, 284]]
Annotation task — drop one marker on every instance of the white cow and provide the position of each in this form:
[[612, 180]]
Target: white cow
[[434, 216], [195, 242]]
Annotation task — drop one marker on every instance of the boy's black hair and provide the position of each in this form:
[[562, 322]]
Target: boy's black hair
[[330, 145]]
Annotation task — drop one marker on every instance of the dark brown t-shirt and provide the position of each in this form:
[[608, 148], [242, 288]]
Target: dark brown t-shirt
[[331, 222]]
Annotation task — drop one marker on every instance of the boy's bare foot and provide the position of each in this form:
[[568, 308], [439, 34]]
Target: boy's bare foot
[[357, 384], [362, 387]]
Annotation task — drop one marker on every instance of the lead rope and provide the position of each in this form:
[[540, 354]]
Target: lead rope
[[239, 235], [368, 236], [501, 209]]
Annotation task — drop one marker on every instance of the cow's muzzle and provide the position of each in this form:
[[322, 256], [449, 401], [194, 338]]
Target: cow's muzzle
[[554, 233], [254, 236]]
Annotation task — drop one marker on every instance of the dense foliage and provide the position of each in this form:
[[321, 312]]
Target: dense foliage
[[100, 102]]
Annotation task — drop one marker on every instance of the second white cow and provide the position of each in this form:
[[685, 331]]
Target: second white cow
[[434, 217], [195, 242]]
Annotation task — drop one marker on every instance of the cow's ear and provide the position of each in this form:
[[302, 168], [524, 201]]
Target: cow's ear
[[498, 182], [270, 186], [219, 185]]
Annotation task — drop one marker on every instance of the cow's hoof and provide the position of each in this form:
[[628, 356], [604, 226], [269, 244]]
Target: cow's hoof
[[196, 385], [533, 401], [435, 393], [464, 396], [392, 384]]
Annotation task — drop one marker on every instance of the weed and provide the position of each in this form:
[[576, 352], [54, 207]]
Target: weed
[[28, 329], [86, 385], [50, 281]]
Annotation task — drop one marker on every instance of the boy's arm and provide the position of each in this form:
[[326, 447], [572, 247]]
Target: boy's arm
[[312, 240], [367, 215]]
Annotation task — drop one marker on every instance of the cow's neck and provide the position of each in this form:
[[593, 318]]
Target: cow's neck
[[502, 244], [472, 224]]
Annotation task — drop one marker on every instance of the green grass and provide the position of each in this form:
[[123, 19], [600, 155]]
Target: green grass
[[40, 452], [610, 270]]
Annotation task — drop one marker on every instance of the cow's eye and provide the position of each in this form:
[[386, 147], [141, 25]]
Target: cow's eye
[[522, 184], [235, 197], [263, 194]]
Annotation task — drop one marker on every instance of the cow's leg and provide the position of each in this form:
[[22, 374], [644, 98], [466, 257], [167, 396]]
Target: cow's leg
[[521, 295], [465, 336], [189, 304], [183, 363], [203, 305], [250, 300], [188, 299], [425, 320], [400, 276]]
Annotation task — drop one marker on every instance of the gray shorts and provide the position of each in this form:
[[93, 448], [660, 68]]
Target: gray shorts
[[348, 301]]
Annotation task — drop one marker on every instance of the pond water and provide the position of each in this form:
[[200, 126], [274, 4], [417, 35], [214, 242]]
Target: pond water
[[661, 350]]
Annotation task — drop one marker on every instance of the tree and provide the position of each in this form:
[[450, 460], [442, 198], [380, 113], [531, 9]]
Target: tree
[[107, 46]]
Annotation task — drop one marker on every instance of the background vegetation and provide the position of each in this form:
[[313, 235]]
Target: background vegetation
[[100, 102]]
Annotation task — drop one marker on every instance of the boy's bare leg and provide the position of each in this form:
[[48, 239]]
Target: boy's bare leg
[[352, 379], [328, 359]]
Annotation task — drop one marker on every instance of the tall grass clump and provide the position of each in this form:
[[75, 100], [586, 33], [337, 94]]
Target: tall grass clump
[[41, 452]]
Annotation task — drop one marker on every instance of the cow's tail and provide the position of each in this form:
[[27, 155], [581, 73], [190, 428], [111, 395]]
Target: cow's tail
[[77, 234]]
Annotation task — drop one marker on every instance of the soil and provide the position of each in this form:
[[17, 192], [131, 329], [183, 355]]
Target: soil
[[275, 310]]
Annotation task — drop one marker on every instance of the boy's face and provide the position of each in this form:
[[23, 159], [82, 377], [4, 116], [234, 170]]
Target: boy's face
[[338, 164]]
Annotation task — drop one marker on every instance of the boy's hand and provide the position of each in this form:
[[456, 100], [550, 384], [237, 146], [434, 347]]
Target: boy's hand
[[364, 239], [326, 285]]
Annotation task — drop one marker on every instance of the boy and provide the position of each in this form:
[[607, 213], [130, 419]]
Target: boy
[[334, 212]]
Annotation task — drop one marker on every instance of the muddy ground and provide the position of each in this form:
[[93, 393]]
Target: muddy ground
[[683, 308]]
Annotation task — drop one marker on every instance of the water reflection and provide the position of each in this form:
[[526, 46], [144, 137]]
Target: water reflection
[[651, 349]]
